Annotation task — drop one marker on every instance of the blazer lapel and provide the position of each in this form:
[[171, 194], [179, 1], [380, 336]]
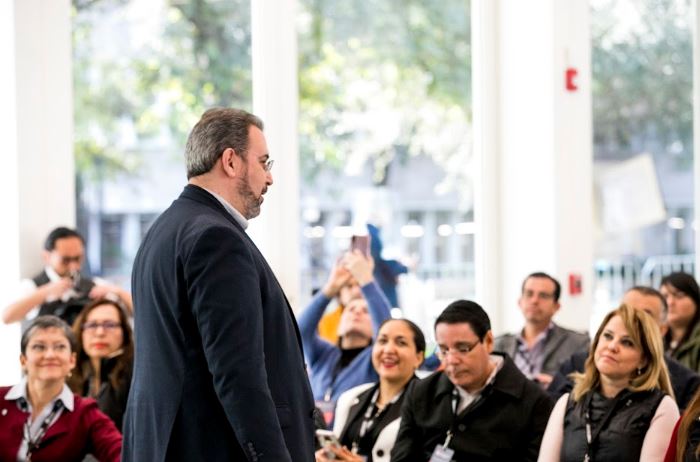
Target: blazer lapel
[[59, 428], [358, 406], [552, 342], [202, 196]]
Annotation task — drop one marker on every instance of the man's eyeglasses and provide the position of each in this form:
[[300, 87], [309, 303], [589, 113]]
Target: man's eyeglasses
[[106, 325], [267, 165], [460, 350]]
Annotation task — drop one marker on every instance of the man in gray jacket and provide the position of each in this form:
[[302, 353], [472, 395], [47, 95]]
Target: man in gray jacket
[[540, 348]]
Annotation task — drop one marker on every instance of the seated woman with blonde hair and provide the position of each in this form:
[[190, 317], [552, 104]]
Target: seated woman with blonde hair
[[621, 407]]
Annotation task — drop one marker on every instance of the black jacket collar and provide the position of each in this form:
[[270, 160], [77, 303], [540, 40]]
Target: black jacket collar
[[201, 195]]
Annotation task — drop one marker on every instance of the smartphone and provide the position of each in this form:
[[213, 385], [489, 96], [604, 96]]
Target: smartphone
[[327, 438], [361, 243]]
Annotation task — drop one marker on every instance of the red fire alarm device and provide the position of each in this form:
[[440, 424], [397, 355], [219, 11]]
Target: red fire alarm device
[[571, 74], [575, 284]]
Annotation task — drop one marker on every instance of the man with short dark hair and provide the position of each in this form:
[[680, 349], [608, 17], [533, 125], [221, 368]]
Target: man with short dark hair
[[60, 289], [219, 371], [684, 381], [540, 348], [479, 408]]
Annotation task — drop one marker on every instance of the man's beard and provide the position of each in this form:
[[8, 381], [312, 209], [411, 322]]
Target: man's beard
[[251, 203]]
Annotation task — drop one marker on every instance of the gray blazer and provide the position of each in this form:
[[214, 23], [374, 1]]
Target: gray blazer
[[559, 346]]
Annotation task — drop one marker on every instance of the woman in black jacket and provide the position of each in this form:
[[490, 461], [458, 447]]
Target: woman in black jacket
[[367, 417], [105, 357], [621, 408]]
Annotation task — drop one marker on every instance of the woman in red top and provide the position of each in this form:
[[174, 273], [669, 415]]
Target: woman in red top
[[40, 418]]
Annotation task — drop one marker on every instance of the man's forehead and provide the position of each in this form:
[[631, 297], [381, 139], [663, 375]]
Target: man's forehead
[[642, 301], [68, 244], [539, 282], [257, 142], [461, 332]]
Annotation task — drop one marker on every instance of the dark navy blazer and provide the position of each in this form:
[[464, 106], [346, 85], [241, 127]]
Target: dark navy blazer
[[219, 371]]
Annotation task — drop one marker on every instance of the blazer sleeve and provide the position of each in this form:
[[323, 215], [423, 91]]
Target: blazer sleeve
[[224, 290], [104, 438]]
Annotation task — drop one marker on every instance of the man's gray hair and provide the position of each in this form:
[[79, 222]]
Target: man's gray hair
[[218, 129]]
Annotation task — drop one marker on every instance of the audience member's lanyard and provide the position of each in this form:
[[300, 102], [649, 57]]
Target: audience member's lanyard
[[443, 453], [33, 443], [590, 435], [334, 376], [372, 414], [455, 407]]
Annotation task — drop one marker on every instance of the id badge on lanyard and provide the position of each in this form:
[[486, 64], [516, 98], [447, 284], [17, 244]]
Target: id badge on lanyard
[[442, 453], [327, 408]]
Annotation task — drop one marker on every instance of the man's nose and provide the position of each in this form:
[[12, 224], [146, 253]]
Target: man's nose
[[269, 179]]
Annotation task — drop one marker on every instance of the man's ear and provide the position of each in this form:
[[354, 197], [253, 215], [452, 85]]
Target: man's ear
[[46, 255], [488, 341], [230, 162]]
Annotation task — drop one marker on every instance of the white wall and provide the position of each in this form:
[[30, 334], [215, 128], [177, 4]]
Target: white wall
[[36, 127], [542, 216], [275, 100]]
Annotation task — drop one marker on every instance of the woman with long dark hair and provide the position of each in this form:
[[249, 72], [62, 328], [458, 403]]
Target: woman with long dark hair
[[682, 341], [368, 416], [105, 356]]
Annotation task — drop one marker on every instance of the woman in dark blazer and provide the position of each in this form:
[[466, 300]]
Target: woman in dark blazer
[[367, 417], [40, 418]]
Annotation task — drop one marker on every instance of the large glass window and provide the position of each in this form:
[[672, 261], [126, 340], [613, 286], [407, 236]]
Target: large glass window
[[643, 142], [144, 71], [385, 139]]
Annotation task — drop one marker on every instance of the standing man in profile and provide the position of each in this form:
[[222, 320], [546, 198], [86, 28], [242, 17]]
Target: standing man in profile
[[219, 372]]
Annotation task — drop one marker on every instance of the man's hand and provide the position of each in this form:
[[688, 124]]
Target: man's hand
[[111, 291], [359, 266], [54, 290], [544, 379], [336, 280], [340, 454], [102, 290]]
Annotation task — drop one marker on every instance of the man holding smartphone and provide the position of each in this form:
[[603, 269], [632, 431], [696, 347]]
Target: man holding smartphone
[[335, 368]]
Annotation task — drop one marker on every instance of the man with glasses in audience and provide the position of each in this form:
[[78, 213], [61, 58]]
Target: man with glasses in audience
[[60, 288], [480, 407], [540, 348]]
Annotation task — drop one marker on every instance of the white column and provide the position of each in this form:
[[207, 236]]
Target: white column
[[275, 100], [696, 130], [534, 140], [36, 127], [487, 148]]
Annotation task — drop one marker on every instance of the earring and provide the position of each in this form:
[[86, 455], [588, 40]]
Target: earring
[[639, 371]]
